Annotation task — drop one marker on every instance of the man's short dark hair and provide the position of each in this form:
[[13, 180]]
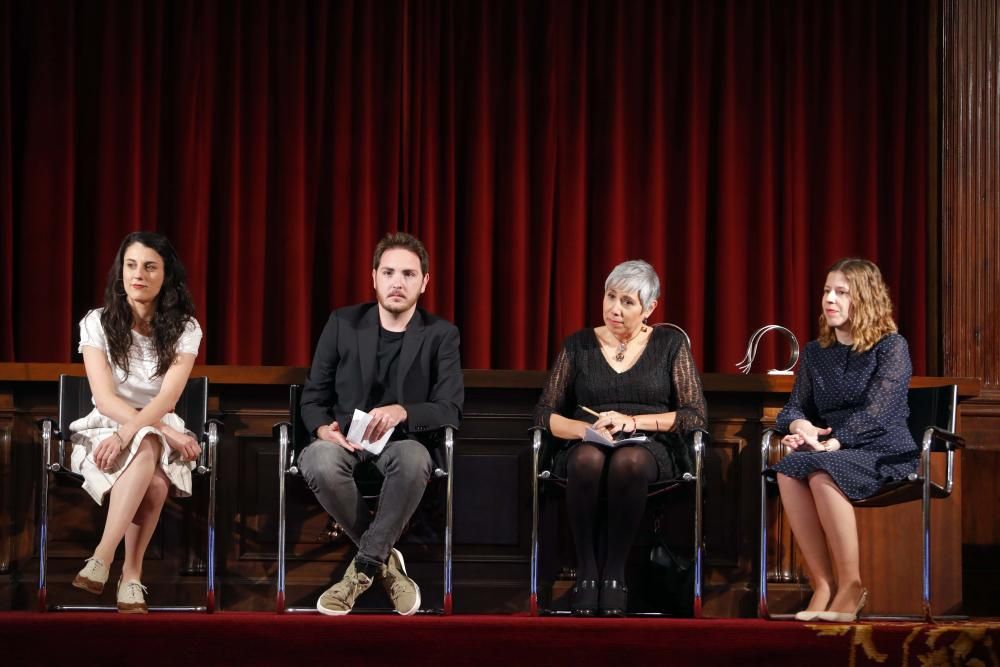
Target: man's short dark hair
[[405, 241]]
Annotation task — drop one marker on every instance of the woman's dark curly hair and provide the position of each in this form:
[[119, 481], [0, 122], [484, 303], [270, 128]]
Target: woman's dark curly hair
[[173, 305]]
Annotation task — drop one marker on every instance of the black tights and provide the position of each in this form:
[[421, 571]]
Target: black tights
[[629, 471]]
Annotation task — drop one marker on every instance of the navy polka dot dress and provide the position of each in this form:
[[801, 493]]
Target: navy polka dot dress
[[862, 397]]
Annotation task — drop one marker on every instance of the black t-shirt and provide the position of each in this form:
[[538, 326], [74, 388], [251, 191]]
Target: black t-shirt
[[383, 392]]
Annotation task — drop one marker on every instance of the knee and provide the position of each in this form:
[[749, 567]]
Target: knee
[[410, 459], [325, 462], [630, 468], [585, 462]]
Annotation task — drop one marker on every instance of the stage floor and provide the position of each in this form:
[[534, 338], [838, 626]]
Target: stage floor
[[247, 639]]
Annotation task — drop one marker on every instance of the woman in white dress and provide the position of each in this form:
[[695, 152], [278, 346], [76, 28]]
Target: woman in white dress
[[138, 351]]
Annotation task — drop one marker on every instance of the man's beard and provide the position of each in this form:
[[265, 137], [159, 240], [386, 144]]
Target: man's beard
[[395, 307]]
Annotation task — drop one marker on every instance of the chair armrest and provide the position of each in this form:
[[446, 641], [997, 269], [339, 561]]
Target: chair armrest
[[284, 430], [943, 440], [765, 447], [211, 435], [50, 431]]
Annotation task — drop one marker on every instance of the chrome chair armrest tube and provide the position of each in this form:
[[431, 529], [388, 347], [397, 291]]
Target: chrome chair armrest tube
[[449, 450], [699, 546], [536, 448], [213, 428], [283, 429], [765, 447], [942, 440], [43, 513]]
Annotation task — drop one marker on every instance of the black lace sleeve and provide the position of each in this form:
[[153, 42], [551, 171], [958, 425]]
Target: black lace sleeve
[[555, 396], [691, 409], [800, 404]]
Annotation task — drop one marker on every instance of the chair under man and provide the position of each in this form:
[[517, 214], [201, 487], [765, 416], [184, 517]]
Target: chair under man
[[933, 412], [75, 401], [292, 437], [543, 449]]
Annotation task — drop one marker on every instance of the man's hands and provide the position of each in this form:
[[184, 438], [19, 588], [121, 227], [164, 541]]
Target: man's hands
[[383, 419], [331, 433]]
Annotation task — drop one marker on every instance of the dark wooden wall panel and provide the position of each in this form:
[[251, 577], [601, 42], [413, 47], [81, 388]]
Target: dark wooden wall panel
[[970, 287]]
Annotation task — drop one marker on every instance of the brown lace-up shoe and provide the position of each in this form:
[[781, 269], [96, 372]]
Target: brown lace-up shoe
[[403, 591], [339, 599]]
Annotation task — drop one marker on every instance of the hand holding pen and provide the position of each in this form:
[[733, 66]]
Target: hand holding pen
[[613, 421]]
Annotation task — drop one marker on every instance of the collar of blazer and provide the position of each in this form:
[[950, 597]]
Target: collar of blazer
[[368, 347]]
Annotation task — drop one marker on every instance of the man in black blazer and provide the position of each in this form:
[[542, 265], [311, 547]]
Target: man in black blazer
[[401, 365]]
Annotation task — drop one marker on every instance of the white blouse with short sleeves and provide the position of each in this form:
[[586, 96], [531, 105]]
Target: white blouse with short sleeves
[[140, 386]]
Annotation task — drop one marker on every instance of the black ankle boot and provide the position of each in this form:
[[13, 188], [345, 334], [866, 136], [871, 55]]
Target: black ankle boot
[[613, 598], [584, 597]]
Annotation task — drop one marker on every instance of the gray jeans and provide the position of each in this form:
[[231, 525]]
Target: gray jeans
[[405, 465]]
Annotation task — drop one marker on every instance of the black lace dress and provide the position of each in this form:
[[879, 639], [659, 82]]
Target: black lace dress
[[862, 397], [663, 379]]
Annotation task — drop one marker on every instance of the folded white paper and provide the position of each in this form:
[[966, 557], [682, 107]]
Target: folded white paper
[[359, 424]]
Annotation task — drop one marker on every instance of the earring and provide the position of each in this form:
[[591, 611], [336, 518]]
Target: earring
[[644, 322]]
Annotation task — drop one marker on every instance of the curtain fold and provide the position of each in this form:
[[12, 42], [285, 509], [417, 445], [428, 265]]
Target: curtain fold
[[740, 147]]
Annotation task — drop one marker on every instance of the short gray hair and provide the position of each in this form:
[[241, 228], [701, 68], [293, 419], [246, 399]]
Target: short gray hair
[[637, 276]]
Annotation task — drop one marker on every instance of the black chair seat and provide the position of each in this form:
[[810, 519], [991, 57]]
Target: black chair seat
[[903, 491]]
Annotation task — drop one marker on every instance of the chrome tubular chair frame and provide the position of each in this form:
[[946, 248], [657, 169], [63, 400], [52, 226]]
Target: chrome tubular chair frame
[[698, 452], [288, 467], [208, 432], [933, 438]]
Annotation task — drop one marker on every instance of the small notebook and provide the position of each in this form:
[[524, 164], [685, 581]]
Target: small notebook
[[359, 424], [599, 438]]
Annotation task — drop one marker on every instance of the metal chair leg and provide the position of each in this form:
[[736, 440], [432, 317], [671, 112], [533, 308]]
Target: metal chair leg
[[282, 458], [762, 610], [699, 547], [925, 463], [43, 515], [536, 446], [213, 442], [449, 445]]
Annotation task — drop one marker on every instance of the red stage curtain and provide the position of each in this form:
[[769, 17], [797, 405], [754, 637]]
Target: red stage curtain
[[740, 147]]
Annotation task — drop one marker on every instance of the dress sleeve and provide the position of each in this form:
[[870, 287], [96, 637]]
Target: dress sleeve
[[190, 340], [91, 332], [556, 394], [691, 410], [800, 404], [884, 400]]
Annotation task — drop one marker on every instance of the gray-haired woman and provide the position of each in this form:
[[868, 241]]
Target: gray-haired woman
[[635, 378]]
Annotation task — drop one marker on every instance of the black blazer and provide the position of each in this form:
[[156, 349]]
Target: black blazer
[[429, 375]]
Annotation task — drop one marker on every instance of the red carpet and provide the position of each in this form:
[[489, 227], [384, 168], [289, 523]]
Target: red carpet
[[247, 639]]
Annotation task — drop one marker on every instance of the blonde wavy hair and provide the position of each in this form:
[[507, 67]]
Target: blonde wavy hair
[[871, 307]]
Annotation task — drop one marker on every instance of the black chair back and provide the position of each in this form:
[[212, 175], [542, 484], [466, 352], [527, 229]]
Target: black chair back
[[75, 401], [931, 406], [300, 436]]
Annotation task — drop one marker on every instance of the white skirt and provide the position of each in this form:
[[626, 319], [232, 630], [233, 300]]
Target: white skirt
[[90, 431]]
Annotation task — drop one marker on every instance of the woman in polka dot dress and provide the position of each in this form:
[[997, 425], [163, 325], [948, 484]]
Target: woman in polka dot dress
[[846, 422]]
